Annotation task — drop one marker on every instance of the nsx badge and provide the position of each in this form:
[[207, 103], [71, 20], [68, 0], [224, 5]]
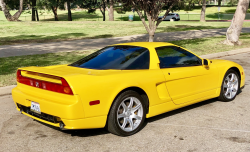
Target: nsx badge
[[37, 84]]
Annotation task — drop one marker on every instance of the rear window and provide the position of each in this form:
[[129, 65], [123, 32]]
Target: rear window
[[116, 57]]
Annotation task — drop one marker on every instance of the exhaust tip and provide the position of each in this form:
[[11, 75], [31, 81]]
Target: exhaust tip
[[62, 125]]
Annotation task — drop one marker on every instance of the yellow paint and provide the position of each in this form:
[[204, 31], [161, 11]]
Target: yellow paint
[[167, 89]]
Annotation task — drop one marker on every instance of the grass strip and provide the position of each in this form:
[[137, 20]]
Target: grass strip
[[32, 32]]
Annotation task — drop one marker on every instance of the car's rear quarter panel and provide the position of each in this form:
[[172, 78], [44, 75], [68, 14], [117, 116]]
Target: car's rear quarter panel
[[106, 88]]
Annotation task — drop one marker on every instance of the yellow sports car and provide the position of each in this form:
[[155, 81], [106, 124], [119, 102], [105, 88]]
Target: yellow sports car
[[120, 85]]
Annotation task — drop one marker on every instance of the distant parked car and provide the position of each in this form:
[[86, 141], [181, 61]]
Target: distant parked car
[[174, 16]]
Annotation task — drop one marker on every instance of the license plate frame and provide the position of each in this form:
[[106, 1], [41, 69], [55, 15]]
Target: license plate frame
[[35, 107]]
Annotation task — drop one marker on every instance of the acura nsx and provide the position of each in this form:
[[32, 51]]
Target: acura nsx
[[120, 85]]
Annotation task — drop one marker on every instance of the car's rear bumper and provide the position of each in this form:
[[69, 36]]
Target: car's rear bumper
[[55, 110]]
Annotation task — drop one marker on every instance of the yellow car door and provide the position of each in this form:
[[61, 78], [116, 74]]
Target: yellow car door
[[187, 79]]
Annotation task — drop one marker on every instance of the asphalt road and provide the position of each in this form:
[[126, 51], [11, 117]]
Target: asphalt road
[[207, 126]]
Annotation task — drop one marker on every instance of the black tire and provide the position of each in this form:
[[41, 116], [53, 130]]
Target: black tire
[[113, 125], [222, 96], [174, 19]]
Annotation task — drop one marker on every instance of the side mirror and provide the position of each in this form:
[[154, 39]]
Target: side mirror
[[206, 62]]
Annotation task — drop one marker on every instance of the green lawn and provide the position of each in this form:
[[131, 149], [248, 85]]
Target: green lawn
[[211, 14], [28, 32], [8, 66]]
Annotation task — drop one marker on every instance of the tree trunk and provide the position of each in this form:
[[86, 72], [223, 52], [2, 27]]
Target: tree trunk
[[33, 16], [151, 37], [7, 14], [102, 7], [65, 6], [69, 11], [203, 10], [110, 9], [37, 17], [233, 32], [104, 14], [219, 2], [54, 9], [200, 3]]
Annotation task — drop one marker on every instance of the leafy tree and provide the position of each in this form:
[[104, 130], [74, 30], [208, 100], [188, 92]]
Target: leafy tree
[[51, 5], [152, 9], [7, 14], [92, 5], [234, 30]]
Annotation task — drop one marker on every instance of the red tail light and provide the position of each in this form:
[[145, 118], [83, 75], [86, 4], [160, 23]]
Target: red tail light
[[60, 88]]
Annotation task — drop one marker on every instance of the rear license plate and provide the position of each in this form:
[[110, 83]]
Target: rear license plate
[[35, 107]]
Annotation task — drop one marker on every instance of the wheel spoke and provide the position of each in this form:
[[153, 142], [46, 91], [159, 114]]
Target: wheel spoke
[[136, 117], [131, 103], [136, 108], [230, 94], [225, 85], [124, 123], [124, 107], [227, 92], [121, 116], [234, 90], [235, 81], [131, 123], [232, 78]]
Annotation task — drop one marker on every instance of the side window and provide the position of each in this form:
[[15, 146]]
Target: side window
[[171, 56]]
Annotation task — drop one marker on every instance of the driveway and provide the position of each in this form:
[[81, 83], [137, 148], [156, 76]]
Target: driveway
[[207, 126]]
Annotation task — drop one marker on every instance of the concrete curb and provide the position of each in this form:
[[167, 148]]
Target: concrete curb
[[7, 90]]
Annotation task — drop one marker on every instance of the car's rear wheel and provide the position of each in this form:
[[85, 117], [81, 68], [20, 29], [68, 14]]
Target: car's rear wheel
[[230, 86], [174, 19], [127, 114]]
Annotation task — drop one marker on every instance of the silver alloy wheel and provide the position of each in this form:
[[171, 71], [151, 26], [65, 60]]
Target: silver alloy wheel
[[129, 114], [230, 86]]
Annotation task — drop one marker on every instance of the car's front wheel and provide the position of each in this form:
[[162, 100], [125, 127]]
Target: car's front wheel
[[127, 114], [230, 86]]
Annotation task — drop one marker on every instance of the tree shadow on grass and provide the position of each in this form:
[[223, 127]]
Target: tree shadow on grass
[[125, 18], [22, 39], [189, 41], [219, 16], [39, 37], [76, 16], [184, 28]]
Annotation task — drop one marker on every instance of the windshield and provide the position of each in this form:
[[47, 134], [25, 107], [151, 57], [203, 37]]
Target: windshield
[[116, 57]]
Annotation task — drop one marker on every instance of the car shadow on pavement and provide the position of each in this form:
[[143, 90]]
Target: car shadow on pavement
[[102, 131], [79, 132], [86, 132], [177, 111]]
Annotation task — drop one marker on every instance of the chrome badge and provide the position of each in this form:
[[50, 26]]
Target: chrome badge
[[37, 84]]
